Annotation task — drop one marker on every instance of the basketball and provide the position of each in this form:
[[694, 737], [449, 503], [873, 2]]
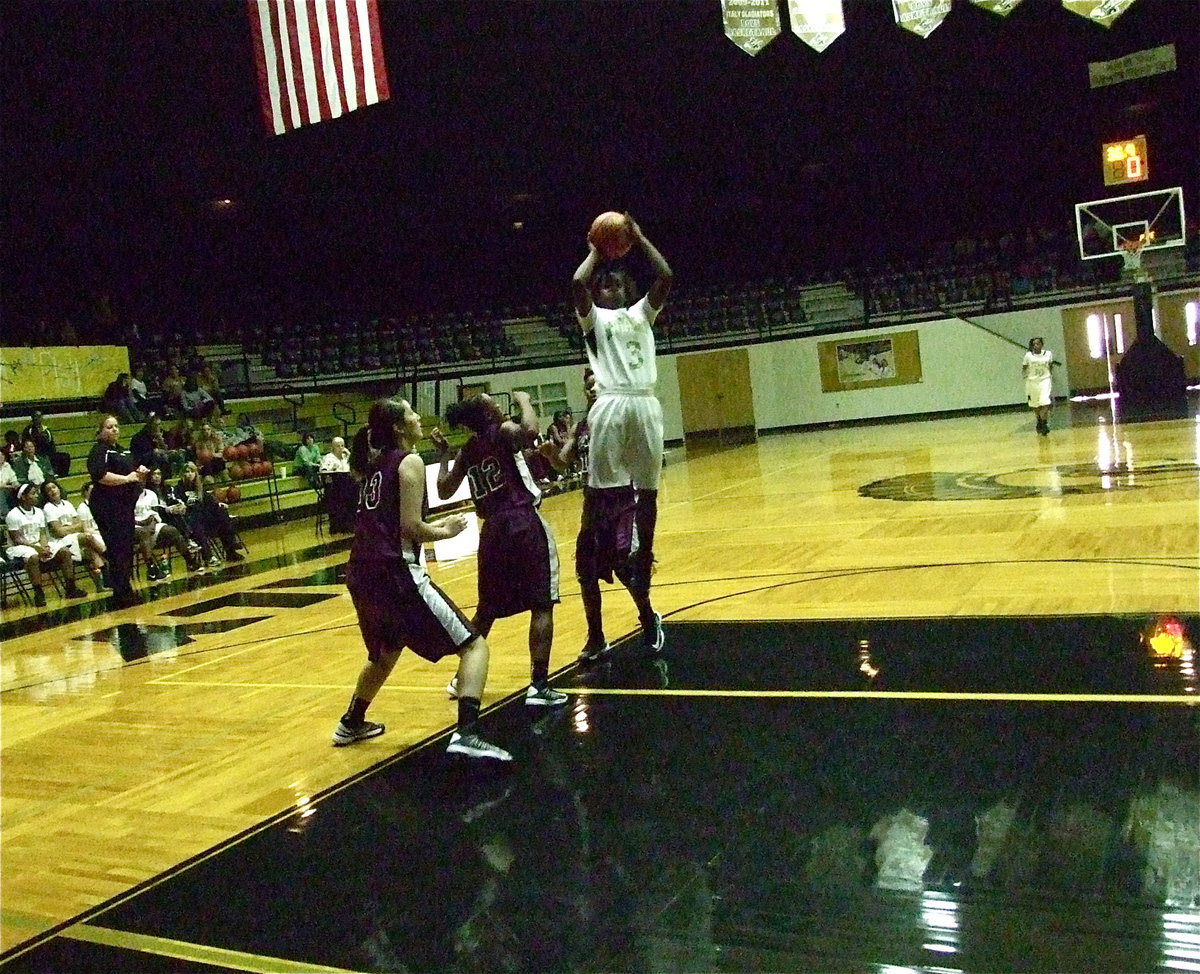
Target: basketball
[[232, 495], [219, 493], [610, 234]]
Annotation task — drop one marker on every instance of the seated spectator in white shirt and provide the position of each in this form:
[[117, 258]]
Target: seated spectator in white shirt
[[9, 482], [337, 460], [29, 544], [341, 490], [151, 531], [64, 524]]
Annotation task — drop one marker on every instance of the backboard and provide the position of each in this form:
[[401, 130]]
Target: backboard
[[1107, 228]]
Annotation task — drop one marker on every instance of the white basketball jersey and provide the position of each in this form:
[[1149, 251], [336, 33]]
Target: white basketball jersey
[[620, 347]]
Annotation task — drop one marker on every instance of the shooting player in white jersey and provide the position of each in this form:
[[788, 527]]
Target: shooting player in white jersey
[[626, 423]]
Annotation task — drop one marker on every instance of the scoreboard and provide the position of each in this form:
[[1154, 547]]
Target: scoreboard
[[1125, 161]]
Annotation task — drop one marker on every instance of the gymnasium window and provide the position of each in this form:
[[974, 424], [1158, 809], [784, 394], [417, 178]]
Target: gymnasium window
[[547, 399], [1191, 311], [1094, 337]]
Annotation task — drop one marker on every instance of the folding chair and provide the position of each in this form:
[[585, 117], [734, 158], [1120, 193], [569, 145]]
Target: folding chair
[[11, 573]]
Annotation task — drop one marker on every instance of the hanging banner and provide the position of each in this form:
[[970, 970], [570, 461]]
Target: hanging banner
[[751, 24], [1139, 64], [817, 22], [922, 17], [1001, 7], [1102, 12]]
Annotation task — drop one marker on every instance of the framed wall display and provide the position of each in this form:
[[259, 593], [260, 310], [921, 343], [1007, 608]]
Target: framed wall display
[[868, 363]]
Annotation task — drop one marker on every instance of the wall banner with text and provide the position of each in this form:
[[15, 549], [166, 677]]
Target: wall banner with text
[[751, 24], [922, 17], [1102, 12], [1001, 7], [1139, 64], [817, 22]]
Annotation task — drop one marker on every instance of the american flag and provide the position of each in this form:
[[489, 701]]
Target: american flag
[[316, 59]]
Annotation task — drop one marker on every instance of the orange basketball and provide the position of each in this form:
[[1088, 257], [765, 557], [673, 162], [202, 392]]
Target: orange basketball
[[219, 493], [230, 453], [233, 494], [610, 234]]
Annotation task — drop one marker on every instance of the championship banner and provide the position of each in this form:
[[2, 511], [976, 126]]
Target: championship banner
[[1139, 64], [1001, 7], [1102, 12], [817, 22], [751, 24], [922, 17]]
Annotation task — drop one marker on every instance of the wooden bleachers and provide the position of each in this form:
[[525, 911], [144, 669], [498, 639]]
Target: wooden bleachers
[[263, 499]]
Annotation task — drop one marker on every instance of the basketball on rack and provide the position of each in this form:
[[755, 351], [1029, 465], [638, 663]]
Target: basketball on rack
[[611, 235]]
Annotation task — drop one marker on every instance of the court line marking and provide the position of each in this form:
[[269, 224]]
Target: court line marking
[[196, 953], [441, 688], [949, 695]]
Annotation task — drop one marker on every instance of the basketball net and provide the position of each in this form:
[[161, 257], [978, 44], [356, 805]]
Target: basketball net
[[1131, 253]]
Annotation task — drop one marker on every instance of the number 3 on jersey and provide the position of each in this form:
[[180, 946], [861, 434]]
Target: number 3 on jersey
[[633, 354]]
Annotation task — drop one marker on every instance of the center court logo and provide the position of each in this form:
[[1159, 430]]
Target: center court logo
[[1057, 481]]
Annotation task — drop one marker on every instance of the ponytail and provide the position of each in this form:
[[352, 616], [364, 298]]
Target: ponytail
[[360, 452], [378, 435]]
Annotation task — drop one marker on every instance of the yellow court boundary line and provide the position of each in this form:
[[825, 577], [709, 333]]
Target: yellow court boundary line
[[197, 953], [945, 695]]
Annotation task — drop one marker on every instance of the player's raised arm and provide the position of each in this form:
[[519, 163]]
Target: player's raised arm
[[449, 477], [664, 277], [581, 283], [522, 431]]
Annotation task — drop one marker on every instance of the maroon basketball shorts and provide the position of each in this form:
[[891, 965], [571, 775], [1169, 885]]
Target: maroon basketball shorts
[[518, 563], [606, 533], [398, 606]]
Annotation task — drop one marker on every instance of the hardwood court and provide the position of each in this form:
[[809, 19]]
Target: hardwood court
[[134, 741]]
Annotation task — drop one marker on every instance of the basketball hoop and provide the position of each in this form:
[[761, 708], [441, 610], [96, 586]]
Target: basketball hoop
[[1131, 253]]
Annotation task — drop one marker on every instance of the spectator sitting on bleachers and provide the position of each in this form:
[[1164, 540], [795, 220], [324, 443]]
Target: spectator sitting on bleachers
[[62, 521], [206, 380], [180, 436], [30, 467], [30, 544], [88, 528], [308, 458], [152, 531], [206, 518], [119, 400], [60, 462], [337, 460], [148, 446], [12, 443], [9, 482], [195, 402], [340, 488], [171, 386], [148, 400], [208, 448]]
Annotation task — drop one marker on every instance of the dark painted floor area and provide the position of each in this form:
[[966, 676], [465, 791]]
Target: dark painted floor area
[[678, 829]]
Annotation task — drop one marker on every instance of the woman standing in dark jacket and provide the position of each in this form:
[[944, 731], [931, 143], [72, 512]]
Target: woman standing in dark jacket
[[118, 481]]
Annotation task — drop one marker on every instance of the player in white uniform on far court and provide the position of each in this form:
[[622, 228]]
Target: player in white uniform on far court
[[626, 420], [1035, 368]]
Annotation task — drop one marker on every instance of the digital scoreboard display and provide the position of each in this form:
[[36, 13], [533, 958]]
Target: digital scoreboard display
[[1125, 161]]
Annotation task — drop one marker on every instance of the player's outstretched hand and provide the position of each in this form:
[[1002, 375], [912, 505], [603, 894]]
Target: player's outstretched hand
[[439, 439], [455, 525]]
